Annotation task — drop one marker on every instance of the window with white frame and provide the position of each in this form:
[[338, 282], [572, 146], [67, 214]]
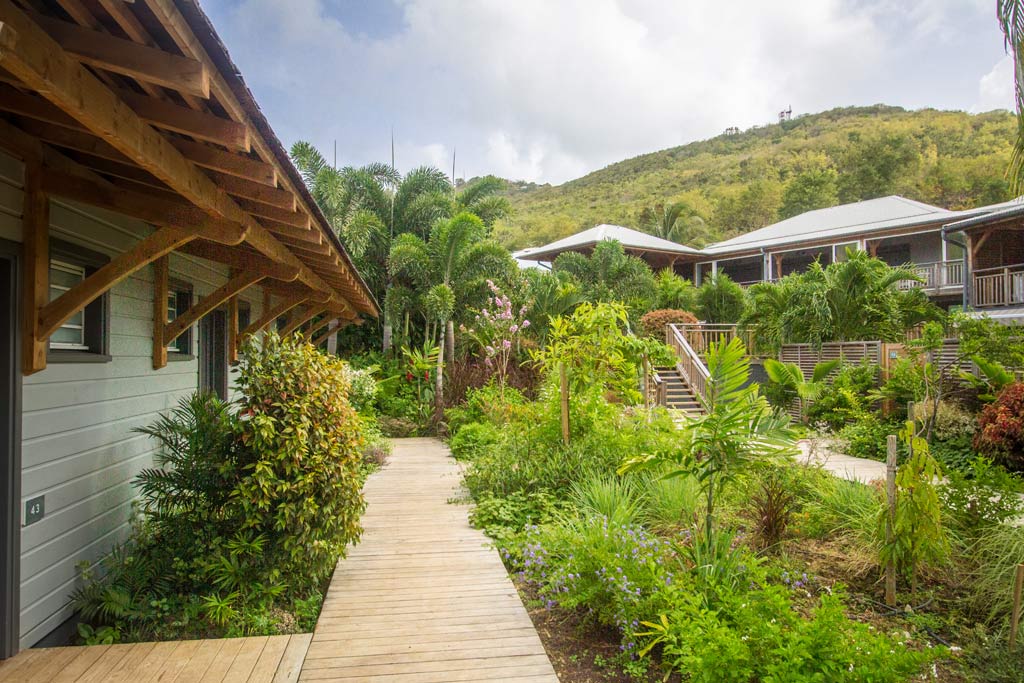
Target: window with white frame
[[70, 335], [179, 300]]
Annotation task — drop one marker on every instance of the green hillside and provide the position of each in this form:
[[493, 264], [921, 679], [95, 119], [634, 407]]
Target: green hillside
[[736, 183]]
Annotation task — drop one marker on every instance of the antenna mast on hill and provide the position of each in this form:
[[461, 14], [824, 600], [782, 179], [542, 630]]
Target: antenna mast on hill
[[453, 167]]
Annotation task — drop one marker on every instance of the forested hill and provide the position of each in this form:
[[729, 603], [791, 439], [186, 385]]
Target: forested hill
[[735, 183]]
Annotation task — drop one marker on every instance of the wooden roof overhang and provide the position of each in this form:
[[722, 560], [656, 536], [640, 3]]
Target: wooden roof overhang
[[136, 108]]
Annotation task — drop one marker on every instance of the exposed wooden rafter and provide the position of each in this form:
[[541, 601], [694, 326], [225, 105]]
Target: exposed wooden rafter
[[269, 316], [147, 64], [317, 341], [296, 320]]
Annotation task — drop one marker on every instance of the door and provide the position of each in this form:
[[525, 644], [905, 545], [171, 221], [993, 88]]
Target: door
[[213, 353], [10, 451]]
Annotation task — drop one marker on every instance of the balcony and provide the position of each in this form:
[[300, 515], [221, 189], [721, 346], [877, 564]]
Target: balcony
[[937, 276], [1003, 286]]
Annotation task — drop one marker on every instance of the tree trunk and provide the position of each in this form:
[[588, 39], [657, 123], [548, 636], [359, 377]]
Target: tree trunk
[[449, 340], [405, 334], [386, 346], [439, 382]]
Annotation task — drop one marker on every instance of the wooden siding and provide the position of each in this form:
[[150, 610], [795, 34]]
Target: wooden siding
[[851, 353], [78, 448]]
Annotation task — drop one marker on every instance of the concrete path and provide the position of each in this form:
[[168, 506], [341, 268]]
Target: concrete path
[[820, 451], [423, 597]]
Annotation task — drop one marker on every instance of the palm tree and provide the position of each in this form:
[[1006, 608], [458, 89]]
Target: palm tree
[[1011, 21], [788, 380], [483, 198], [676, 222], [609, 274], [552, 295], [451, 264]]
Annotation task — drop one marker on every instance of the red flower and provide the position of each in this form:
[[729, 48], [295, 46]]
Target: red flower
[[426, 375], [408, 377]]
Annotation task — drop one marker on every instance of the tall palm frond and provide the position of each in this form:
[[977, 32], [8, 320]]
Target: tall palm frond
[[1011, 21]]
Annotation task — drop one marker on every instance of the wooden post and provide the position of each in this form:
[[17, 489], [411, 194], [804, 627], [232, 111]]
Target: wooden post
[[160, 310], [267, 301], [36, 269], [1018, 587], [890, 519], [563, 379]]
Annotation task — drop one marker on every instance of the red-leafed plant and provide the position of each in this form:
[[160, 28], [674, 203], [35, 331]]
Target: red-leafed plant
[[653, 323], [1001, 428]]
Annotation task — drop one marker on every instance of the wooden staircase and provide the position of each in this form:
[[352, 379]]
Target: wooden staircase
[[679, 395]]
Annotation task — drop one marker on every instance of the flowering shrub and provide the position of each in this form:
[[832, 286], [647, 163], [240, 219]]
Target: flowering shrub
[[363, 387], [1001, 428], [653, 323], [610, 570], [496, 328]]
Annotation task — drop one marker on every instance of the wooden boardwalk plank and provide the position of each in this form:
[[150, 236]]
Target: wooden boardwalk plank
[[424, 597]]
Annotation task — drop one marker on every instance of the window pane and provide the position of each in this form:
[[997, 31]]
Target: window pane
[[62, 278], [68, 335]]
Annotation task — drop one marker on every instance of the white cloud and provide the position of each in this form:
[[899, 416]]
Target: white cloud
[[995, 89], [546, 91]]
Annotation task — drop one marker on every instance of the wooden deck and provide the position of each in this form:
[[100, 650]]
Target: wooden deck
[[266, 659], [423, 598]]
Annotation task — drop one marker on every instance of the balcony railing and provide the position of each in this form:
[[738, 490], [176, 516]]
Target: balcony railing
[[1002, 286], [936, 275]]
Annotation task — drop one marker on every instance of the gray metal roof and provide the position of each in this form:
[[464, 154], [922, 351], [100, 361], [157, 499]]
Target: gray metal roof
[[885, 213], [991, 214], [630, 240]]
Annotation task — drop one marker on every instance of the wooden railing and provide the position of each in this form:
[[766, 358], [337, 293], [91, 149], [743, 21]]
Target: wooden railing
[[688, 363], [936, 275], [1002, 286], [702, 336]]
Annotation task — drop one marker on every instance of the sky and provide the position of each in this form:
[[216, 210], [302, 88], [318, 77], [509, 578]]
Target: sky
[[549, 90]]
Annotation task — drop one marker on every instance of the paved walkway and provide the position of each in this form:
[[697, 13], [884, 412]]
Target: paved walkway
[[423, 597], [843, 466]]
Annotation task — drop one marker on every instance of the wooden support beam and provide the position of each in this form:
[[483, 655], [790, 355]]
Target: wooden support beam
[[295, 219], [976, 245], [197, 124], [226, 162], [145, 207], [316, 327], [32, 56], [36, 269], [160, 113], [330, 330], [297, 320], [233, 329], [160, 243], [120, 56], [257, 192], [270, 315], [240, 260], [204, 306], [160, 310]]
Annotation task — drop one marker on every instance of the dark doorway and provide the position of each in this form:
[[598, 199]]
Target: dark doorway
[[10, 450], [213, 353]]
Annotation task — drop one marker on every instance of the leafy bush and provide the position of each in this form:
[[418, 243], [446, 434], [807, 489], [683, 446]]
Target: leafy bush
[[653, 322], [772, 504], [844, 401], [486, 404], [984, 496], [1000, 432], [302, 488], [244, 514], [362, 387], [866, 437], [471, 440], [720, 300], [756, 635], [504, 517]]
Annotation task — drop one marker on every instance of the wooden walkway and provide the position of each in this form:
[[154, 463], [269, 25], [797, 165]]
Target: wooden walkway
[[423, 598], [266, 659]]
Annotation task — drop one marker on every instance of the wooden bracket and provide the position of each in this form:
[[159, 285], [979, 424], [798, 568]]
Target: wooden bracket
[[299, 319], [976, 246], [160, 295], [234, 286], [316, 327], [270, 315], [330, 330], [36, 273], [160, 243]]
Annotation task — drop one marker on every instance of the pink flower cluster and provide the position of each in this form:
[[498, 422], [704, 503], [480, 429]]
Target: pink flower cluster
[[496, 329]]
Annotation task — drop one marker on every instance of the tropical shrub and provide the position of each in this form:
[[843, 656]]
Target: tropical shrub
[[673, 291], [653, 322], [981, 497], [865, 437], [610, 275], [244, 514], [486, 404], [362, 387], [473, 439], [1000, 432], [845, 401], [720, 300]]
